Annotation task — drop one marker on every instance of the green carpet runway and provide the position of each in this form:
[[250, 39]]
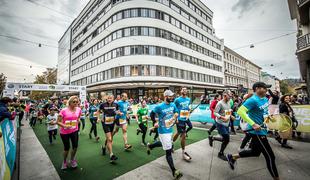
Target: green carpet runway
[[93, 165]]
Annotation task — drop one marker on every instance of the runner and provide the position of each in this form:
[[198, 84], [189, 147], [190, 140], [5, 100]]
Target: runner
[[52, 125], [93, 117], [167, 113], [154, 129], [182, 104], [68, 119], [121, 119], [222, 113], [109, 110], [142, 118], [82, 118], [216, 99], [253, 111]]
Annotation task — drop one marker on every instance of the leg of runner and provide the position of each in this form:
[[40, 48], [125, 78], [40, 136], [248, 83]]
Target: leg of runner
[[74, 137], [143, 129], [50, 134], [212, 129], [259, 144], [124, 129], [190, 126], [245, 140], [83, 124]]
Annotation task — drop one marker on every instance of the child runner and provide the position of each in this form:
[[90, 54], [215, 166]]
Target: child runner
[[52, 125]]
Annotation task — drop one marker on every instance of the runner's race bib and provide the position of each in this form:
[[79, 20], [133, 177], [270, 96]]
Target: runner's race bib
[[109, 119], [169, 122], [184, 114], [227, 114], [72, 124], [122, 121], [144, 118]]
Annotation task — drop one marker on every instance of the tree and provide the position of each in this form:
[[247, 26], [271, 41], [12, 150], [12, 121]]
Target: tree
[[2, 82], [48, 77], [286, 88]]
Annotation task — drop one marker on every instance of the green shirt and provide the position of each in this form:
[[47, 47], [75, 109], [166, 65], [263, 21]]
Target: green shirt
[[142, 115]]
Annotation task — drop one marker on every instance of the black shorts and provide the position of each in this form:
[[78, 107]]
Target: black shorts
[[74, 137], [108, 128], [181, 127]]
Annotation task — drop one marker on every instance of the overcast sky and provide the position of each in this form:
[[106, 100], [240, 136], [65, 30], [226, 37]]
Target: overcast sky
[[238, 22]]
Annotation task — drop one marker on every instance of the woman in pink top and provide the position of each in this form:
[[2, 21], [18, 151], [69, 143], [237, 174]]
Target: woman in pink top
[[68, 120]]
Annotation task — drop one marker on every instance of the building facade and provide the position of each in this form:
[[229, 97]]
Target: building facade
[[143, 47], [239, 72], [272, 80], [64, 54], [300, 10]]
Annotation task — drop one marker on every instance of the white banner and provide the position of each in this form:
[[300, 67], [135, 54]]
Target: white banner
[[11, 87]]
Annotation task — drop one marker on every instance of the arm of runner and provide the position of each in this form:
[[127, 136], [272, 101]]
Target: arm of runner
[[59, 122], [242, 111], [217, 111]]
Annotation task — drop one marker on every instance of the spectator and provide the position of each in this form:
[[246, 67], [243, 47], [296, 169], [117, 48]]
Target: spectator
[[4, 111], [275, 96]]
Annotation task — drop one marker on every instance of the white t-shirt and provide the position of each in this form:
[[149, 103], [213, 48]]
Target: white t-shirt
[[53, 119]]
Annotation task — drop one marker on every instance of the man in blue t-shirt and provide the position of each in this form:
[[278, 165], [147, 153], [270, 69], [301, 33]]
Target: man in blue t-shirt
[[121, 117], [182, 103], [254, 111], [167, 114]]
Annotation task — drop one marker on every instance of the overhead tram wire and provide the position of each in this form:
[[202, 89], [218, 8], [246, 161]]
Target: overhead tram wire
[[31, 42], [51, 9], [266, 40]]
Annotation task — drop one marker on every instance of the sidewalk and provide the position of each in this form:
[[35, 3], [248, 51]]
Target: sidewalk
[[205, 165], [34, 161]]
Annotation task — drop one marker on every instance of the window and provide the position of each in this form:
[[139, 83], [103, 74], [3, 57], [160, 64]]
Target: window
[[166, 18], [151, 31], [144, 31], [175, 8], [134, 70], [152, 70], [127, 51], [127, 70], [127, 32], [133, 12], [144, 13], [145, 70], [185, 14], [126, 13]]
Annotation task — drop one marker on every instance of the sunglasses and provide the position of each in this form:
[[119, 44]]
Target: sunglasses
[[75, 102]]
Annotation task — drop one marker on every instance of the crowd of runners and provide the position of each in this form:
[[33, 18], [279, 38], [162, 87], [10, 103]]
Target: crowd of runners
[[114, 114]]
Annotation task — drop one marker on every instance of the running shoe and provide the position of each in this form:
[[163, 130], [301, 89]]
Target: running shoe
[[231, 161], [74, 163], [186, 156], [113, 158], [97, 139], [128, 146], [148, 151], [64, 165], [103, 148], [177, 174], [210, 140], [222, 156]]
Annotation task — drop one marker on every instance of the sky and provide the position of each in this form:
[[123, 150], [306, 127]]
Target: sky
[[239, 22]]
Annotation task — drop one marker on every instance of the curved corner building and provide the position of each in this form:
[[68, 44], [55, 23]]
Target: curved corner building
[[143, 47]]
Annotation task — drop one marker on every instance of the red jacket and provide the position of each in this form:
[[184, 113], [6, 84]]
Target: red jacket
[[212, 108]]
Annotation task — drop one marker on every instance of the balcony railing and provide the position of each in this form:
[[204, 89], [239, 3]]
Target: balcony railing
[[301, 2], [303, 42]]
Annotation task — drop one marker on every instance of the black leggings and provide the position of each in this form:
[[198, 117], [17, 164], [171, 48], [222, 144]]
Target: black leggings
[[33, 121], [260, 144], [245, 140], [168, 155], [212, 128], [52, 134], [224, 139], [74, 137], [93, 126], [232, 127], [143, 129]]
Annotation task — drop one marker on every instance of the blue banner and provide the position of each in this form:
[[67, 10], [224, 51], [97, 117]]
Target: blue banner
[[8, 135]]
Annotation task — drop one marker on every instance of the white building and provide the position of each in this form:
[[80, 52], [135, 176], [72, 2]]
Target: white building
[[300, 10], [239, 71], [144, 46], [272, 80]]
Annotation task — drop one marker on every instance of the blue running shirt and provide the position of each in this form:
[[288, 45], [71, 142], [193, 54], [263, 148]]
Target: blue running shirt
[[182, 105], [165, 112]]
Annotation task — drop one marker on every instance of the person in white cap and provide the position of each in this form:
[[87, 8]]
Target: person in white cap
[[167, 113]]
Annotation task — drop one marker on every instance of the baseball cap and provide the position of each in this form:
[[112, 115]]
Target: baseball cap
[[168, 93], [261, 84]]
